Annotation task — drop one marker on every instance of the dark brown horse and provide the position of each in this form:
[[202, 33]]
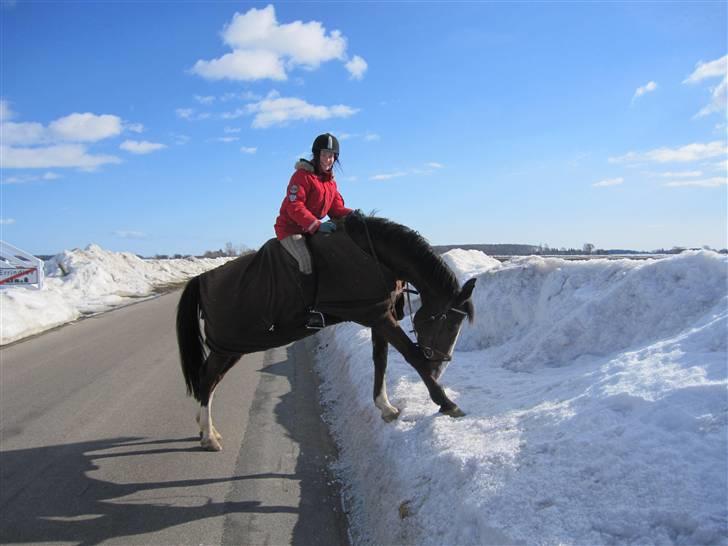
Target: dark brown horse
[[256, 302]]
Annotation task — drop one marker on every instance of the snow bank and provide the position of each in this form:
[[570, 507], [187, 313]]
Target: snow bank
[[81, 282], [597, 405]]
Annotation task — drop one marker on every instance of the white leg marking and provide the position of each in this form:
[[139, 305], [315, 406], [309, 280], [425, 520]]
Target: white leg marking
[[210, 438], [389, 412]]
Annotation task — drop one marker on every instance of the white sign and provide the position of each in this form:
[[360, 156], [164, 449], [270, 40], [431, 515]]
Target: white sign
[[19, 268]]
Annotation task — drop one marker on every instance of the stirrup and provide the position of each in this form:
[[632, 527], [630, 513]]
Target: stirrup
[[315, 320]]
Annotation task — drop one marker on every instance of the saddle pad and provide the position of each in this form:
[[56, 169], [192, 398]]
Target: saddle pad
[[255, 302]]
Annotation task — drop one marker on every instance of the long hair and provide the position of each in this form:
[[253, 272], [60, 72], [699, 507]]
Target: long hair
[[316, 161]]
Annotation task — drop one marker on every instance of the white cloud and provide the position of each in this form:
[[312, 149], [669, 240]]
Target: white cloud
[[190, 114], [681, 174], [231, 130], [27, 133], [7, 221], [388, 176], [248, 150], [134, 127], [23, 179], [204, 100], [721, 166], [242, 66], [130, 234], [72, 128], [6, 112], [61, 155], [367, 137], [683, 154], [85, 127], [710, 70], [227, 139], [429, 169], [235, 114], [277, 110], [263, 48], [179, 139], [609, 182], [714, 182], [141, 146], [246, 95], [647, 88], [356, 67]]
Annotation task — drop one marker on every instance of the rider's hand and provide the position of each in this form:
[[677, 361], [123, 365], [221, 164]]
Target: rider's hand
[[327, 227]]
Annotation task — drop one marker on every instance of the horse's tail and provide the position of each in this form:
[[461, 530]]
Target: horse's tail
[[189, 336]]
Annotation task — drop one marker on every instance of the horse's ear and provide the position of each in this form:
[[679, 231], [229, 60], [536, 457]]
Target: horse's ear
[[463, 298], [466, 291]]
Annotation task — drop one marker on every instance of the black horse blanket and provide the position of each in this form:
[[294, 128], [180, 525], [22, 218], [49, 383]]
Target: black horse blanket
[[256, 302]]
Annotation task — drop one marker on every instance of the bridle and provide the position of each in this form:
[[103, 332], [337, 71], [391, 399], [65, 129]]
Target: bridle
[[430, 353]]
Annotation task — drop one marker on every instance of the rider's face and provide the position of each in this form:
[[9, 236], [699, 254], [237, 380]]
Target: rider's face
[[326, 160]]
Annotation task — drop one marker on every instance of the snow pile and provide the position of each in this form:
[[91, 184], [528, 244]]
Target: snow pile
[[597, 404], [81, 282]]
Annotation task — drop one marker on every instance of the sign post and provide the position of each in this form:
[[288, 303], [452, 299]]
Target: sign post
[[19, 268]]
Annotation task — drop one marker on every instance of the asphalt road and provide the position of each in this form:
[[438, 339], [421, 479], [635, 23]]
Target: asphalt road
[[98, 442]]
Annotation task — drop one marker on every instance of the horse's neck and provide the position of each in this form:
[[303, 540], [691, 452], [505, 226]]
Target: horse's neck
[[431, 293]]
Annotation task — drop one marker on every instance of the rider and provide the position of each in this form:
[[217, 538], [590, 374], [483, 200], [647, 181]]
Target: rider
[[311, 194]]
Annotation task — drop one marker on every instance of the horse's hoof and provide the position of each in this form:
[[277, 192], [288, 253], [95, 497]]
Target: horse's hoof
[[389, 417], [211, 444], [454, 412]]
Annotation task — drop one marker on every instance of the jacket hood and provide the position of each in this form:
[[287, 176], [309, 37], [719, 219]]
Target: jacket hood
[[304, 164]]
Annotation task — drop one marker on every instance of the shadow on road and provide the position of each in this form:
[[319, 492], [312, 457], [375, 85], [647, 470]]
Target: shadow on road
[[74, 493], [52, 508]]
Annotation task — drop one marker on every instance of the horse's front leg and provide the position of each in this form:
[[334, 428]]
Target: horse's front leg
[[393, 334], [380, 348]]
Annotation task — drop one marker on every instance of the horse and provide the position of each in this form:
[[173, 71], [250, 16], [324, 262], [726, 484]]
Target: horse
[[381, 256]]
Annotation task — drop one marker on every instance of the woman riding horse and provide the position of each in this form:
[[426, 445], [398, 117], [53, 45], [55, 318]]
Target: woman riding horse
[[237, 308], [311, 194]]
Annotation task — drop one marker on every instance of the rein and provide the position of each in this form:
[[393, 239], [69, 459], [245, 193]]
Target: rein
[[374, 253], [429, 353]]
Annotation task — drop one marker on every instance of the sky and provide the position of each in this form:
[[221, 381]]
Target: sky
[[162, 127]]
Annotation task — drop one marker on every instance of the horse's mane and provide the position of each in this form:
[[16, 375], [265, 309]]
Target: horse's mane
[[408, 243]]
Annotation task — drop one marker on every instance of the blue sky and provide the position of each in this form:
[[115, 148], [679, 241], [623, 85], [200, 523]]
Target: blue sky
[[173, 127]]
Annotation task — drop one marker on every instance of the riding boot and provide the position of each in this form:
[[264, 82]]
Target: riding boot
[[314, 319]]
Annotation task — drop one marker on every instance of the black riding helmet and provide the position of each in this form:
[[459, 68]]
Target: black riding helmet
[[327, 141]]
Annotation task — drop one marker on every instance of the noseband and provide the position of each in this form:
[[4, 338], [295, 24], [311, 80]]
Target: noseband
[[430, 353]]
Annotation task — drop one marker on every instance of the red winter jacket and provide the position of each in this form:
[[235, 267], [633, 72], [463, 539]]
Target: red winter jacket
[[309, 198]]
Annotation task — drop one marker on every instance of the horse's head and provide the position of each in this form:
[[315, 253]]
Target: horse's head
[[438, 328]]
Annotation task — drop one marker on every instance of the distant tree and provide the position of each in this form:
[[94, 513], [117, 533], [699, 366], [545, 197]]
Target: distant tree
[[214, 253], [588, 248]]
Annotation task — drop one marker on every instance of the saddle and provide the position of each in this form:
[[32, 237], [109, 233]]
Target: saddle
[[259, 302]]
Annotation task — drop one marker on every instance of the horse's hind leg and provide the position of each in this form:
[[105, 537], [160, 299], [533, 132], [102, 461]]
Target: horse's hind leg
[[215, 368]]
